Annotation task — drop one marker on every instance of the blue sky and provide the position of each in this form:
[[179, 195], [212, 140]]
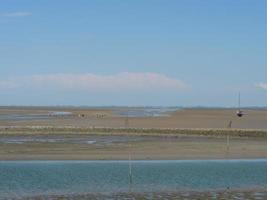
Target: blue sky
[[142, 52]]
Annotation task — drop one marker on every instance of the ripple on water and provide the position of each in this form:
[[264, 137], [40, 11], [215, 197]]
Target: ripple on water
[[157, 178]]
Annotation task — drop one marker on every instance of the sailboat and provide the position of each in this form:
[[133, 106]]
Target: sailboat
[[239, 112]]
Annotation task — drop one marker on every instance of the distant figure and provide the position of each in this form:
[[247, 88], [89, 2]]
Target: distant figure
[[100, 116], [126, 122], [230, 124]]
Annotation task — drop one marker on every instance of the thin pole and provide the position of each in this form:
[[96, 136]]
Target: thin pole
[[228, 143], [228, 138], [130, 169], [126, 122], [129, 154], [239, 101]]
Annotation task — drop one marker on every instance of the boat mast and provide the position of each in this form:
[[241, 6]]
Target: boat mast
[[239, 101]]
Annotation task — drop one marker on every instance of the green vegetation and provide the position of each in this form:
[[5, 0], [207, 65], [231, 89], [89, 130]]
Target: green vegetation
[[133, 131]]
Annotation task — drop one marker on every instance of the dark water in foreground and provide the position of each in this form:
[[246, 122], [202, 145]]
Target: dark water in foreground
[[31, 178]]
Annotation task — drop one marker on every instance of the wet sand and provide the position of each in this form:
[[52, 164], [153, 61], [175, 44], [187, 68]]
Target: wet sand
[[98, 134], [96, 147], [193, 195], [184, 134]]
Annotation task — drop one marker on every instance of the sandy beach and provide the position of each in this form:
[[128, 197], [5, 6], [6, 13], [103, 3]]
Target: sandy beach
[[97, 147], [106, 117], [183, 134]]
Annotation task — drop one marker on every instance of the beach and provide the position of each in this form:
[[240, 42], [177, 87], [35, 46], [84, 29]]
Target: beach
[[132, 153], [100, 134], [189, 118], [62, 153], [96, 147], [182, 118]]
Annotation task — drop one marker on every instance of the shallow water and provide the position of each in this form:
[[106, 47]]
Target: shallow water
[[30, 178], [81, 139], [145, 111], [22, 117]]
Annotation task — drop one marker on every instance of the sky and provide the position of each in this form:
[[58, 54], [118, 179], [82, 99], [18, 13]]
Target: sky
[[133, 53]]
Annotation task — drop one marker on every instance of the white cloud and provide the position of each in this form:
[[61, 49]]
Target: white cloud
[[16, 14], [262, 85], [93, 82]]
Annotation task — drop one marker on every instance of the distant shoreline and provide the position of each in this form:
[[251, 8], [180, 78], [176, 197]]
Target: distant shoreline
[[118, 118]]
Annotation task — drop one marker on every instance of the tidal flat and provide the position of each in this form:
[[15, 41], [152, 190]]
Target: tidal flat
[[118, 147]]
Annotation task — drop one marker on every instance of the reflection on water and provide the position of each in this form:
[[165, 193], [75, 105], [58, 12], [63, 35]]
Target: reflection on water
[[119, 111], [20, 117], [80, 177], [145, 111], [85, 139], [96, 139]]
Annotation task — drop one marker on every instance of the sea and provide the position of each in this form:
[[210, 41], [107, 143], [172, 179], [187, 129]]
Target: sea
[[113, 179]]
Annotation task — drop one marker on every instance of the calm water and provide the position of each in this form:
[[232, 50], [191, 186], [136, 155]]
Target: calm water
[[145, 111], [26, 178], [62, 139], [22, 117], [120, 111]]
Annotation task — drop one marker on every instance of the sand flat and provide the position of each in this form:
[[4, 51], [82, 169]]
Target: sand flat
[[141, 147], [188, 135], [103, 117]]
